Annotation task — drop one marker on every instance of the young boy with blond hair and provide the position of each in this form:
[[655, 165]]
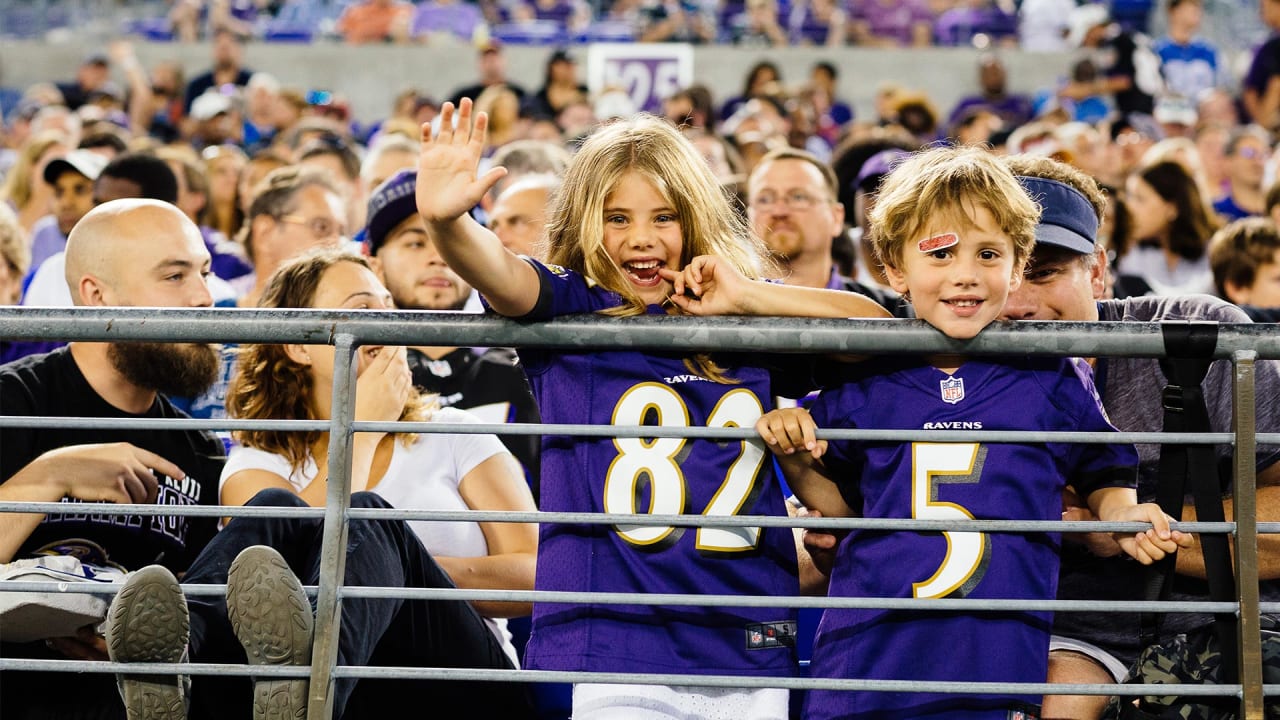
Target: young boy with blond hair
[[954, 229]]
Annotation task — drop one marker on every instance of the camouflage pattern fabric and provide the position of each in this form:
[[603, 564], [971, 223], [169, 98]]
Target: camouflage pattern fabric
[[1193, 659]]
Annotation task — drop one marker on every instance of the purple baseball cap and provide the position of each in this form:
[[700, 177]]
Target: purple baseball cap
[[876, 167], [391, 202]]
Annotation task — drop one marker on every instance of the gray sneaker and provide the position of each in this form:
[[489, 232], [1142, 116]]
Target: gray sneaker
[[148, 622], [271, 615]]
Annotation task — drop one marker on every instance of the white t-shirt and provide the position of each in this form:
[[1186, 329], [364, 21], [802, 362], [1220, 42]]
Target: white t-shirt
[[422, 476], [1188, 277]]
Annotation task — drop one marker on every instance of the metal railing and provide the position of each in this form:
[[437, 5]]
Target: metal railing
[[1241, 344]]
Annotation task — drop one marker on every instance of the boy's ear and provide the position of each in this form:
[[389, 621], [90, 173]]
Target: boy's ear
[[897, 279], [1019, 272], [1237, 293]]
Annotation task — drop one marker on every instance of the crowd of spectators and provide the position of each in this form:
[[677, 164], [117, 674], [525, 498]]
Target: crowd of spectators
[[1183, 146], [1030, 24], [1130, 103]]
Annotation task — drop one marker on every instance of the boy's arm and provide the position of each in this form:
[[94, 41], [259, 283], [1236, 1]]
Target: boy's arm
[[447, 189], [719, 289], [806, 477], [791, 435]]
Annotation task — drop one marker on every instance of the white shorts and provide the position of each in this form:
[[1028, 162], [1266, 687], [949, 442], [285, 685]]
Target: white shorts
[[599, 701], [1117, 669]]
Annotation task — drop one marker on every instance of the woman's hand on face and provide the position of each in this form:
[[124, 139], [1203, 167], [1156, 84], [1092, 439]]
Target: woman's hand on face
[[385, 386]]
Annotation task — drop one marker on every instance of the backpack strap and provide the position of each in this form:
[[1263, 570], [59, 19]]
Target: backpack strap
[[1192, 469]]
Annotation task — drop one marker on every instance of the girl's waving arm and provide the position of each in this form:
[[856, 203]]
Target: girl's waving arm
[[447, 189]]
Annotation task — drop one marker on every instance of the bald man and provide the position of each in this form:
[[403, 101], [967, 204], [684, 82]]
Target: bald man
[[122, 253], [519, 215]]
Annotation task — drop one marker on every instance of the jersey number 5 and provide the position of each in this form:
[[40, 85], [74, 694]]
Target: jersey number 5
[[657, 462], [934, 464]]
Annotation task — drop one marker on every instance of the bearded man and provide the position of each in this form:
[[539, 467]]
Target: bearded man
[[131, 252], [792, 205]]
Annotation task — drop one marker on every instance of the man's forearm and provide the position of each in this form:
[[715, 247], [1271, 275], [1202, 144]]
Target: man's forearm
[[1191, 560]]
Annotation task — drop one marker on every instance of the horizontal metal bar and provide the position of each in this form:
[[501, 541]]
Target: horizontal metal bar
[[646, 431], [906, 524], [769, 601], [667, 333], [91, 508], [677, 599], [548, 676], [40, 421]]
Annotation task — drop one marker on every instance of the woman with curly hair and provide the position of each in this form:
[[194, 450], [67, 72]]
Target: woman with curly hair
[[432, 471]]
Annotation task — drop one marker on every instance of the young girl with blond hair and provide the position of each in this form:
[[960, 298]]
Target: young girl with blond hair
[[637, 206]]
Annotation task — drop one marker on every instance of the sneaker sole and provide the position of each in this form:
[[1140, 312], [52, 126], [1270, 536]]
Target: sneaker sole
[[271, 616], [148, 622]]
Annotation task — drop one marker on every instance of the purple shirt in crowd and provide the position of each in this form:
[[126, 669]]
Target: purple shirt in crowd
[[892, 18], [459, 18], [46, 240]]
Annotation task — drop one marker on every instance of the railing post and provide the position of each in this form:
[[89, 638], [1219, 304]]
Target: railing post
[[1246, 542], [333, 554]]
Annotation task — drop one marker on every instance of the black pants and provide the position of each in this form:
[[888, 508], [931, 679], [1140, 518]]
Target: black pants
[[374, 632]]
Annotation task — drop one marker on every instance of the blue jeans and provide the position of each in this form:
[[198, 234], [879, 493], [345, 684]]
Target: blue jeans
[[374, 632]]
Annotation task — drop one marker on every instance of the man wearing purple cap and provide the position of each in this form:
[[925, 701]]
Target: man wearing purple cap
[[1064, 281], [486, 382], [865, 186]]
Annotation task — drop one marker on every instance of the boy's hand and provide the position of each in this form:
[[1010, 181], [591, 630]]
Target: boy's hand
[[447, 186], [1154, 544], [789, 429], [708, 286]]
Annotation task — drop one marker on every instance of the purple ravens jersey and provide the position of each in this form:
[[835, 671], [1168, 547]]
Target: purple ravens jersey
[[953, 481], [656, 476]]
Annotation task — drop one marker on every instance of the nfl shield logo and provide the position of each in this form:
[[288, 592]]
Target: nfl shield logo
[[953, 390]]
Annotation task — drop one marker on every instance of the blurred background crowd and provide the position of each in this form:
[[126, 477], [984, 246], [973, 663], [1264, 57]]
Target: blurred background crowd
[[1172, 106]]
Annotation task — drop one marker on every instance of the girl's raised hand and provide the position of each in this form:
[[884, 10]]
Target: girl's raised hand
[[447, 186]]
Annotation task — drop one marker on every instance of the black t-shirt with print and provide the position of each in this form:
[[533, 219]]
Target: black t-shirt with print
[[52, 385]]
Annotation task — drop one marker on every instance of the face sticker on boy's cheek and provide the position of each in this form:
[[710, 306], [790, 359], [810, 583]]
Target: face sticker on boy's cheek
[[941, 241]]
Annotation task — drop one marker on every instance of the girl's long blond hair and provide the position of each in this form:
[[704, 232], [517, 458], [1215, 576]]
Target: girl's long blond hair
[[270, 385], [657, 151]]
